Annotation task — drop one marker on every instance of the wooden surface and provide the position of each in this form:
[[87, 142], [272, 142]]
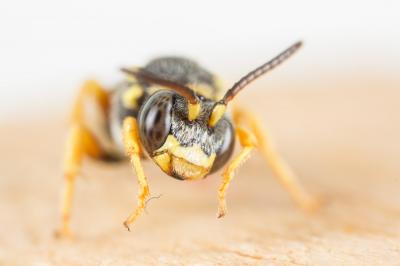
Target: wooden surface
[[342, 143]]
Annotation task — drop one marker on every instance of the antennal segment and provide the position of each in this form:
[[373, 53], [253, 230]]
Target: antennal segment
[[220, 106], [259, 71]]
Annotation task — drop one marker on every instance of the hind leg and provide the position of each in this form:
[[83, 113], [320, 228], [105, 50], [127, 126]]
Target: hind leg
[[280, 168], [80, 142]]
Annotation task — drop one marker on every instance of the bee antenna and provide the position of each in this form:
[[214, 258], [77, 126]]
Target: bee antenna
[[193, 101], [220, 106], [259, 71]]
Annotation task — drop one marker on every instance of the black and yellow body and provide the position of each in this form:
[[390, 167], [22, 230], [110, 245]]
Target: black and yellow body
[[181, 148], [174, 111]]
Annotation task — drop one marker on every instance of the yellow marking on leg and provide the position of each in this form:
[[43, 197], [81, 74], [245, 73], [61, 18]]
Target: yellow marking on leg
[[80, 142], [132, 147], [280, 168], [248, 143]]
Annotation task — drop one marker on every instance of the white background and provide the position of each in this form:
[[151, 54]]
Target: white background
[[49, 47]]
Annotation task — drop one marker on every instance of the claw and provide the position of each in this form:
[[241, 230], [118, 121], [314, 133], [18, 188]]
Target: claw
[[310, 204], [221, 209], [126, 224], [63, 234]]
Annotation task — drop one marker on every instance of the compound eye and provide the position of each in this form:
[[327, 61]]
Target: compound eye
[[155, 120], [227, 146]]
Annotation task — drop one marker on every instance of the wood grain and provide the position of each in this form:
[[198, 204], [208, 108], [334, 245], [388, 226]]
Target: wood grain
[[342, 142]]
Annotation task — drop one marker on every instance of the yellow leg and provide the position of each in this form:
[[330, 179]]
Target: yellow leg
[[280, 168], [248, 143], [89, 89], [132, 147], [80, 142]]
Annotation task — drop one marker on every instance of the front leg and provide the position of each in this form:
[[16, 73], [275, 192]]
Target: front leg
[[132, 147], [247, 141]]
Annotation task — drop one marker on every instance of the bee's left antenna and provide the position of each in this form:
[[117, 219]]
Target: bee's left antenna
[[193, 101]]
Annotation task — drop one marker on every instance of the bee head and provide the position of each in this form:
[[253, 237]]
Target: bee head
[[186, 135], [183, 148]]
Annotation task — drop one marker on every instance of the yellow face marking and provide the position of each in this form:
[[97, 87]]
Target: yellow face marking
[[164, 161], [216, 115], [187, 170], [194, 155], [189, 162], [194, 111], [169, 143], [131, 96]]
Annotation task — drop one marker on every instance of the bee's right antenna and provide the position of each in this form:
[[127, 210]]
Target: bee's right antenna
[[220, 106]]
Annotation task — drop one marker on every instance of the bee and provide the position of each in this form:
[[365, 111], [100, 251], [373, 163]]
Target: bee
[[172, 110]]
